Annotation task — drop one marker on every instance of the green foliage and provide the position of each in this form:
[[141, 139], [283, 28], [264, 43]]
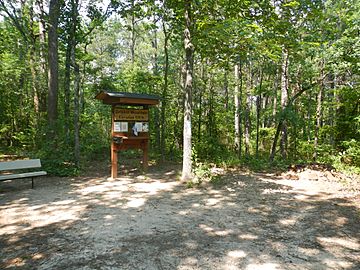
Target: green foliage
[[57, 161], [210, 149], [266, 135], [201, 171], [347, 126], [347, 161], [351, 155], [224, 33], [136, 79]]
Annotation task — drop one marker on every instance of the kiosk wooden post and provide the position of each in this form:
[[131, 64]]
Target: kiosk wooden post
[[130, 124], [114, 161]]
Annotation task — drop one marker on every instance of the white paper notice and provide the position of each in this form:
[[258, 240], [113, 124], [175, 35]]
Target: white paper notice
[[138, 126], [121, 127], [145, 127]]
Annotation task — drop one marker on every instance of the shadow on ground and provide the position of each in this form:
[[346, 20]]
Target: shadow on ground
[[153, 222]]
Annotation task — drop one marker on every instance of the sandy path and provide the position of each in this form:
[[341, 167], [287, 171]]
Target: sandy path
[[252, 222]]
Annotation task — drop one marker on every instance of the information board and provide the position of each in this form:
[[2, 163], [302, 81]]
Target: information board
[[130, 115]]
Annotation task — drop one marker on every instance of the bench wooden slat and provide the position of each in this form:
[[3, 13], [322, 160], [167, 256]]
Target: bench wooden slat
[[10, 166], [20, 164], [21, 175]]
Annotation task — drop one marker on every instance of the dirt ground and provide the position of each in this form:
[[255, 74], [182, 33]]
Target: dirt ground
[[152, 221]]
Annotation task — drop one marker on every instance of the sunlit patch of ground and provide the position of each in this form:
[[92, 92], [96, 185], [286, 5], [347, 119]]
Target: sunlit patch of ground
[[154, 222]]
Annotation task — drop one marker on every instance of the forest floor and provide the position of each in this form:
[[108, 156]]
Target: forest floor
[[295, 220]]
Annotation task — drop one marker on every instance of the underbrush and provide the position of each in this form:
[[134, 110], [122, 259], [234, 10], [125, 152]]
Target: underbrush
[[226, 159]]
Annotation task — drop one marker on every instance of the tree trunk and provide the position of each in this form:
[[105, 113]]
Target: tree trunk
[[274, 106], [200, 102], [156, 73], [318, 110], [164, 92], [67, 85], [258, 111], [77, 114], [189, 54], [54, 11], [155, 48], [132, 33], [331, 109], [265, 104], [237, 102], [226, 89], [33, 64], [282, 119], [43, 63], [247, 123], [35, 88], [75, 65], [284, 99], [211, 115], [226, 93]]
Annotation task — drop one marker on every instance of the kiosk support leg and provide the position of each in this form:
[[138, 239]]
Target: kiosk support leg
[[145, 156], [114, 162]]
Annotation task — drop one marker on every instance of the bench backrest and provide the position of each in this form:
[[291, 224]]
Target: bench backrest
[[20, 164]]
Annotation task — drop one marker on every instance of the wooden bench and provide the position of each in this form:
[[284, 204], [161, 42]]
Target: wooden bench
[[11, 166]]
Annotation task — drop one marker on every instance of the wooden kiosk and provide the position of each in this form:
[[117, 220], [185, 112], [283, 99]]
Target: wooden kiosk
[[130, 123]]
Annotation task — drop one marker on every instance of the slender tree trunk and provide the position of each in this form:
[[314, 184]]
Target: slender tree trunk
[[208, 91], [42, 31], [265, 104], [43, 60], [284, 99], [75, 65], [318, 110], [226, 93], [164, 92], [331, 110], [54, 11], [275, 98], [282, 119], [309, 121], [189, 54], [67, 85], [274, 103], [247, 123], [258, 109], [276, 137], [132, 33], [155, 48], [226, 89], [237, 102], [35, 88], [156, 73], [77, 113], [33, 64], [200, 115], [258, 112], [211, 127], [200, 92], [338, 108]]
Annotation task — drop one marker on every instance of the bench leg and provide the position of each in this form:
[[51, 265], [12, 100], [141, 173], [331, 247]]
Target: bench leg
[[32, 182]]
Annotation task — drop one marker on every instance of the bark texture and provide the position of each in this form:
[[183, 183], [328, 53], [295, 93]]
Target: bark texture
[[284, 99], [237, 102], [54, 10], [189, 54]]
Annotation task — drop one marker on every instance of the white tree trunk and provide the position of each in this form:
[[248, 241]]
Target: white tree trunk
[[237, 102], [189, 51], [284, 98], [54, 10]]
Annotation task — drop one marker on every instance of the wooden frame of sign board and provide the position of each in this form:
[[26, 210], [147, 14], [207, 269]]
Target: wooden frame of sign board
[[130, 123]]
